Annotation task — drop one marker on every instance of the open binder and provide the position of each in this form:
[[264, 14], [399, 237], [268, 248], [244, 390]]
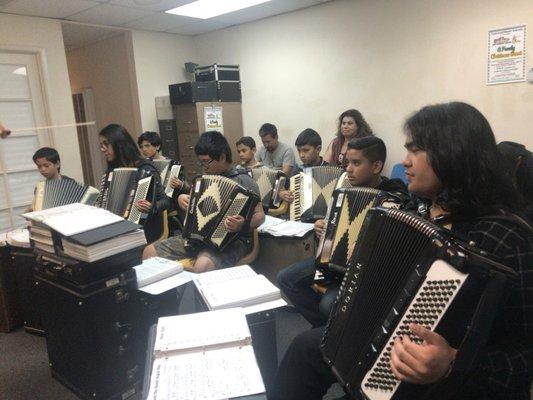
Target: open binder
[[201, 356]]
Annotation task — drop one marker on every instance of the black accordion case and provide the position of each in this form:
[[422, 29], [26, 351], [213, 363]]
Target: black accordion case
[[213, 198], [406, 270], [346, 213]]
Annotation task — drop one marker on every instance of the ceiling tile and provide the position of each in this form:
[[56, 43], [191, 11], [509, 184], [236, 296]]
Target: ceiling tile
[[159, 22], [264, 10], [78, 35], [48, 8], [153, 5], [198, 26], [107, 14]]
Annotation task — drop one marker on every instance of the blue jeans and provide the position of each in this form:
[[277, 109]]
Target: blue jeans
[[295, 281]]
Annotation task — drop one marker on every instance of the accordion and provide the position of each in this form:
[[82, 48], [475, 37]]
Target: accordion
[[122, 188], [270, 182], [312, 192], [406, 270], [346, 212], [168, 169], [214, 198], [59, 192]]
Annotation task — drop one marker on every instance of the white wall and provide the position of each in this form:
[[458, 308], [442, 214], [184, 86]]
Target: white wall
[[385, 58], [107, 67], [45, 38], [159, 59]]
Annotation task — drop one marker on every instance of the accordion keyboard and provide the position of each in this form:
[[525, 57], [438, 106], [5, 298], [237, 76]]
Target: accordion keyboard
[[438, 290], [234, 209], [167, 182], [140, 194]]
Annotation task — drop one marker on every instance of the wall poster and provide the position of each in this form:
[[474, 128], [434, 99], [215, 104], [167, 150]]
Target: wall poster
[[506, 55], [213, 119]]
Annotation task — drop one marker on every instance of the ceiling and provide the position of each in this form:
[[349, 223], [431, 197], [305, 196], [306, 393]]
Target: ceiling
[[141, 14]]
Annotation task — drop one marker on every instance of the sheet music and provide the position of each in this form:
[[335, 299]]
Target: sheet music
[[86, 219], [155, 269], [169, 283], [239, 292], [269, 222], [214, 375], [40, 216], [289, 229], [201, 330], [223, 275]]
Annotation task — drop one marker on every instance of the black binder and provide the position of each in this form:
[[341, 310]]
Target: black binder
[[103, 233]]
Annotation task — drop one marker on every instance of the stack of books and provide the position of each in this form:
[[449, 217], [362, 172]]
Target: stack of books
[[82, 232]]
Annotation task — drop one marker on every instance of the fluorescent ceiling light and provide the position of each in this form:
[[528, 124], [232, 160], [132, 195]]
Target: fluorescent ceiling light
[[205, 9]]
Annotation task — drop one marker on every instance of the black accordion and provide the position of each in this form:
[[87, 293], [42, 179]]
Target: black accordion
[[122, 188], [406, 270], [312, 192], [270, 182], [168, 169], [59, 192], [346, 213], [214, 198]]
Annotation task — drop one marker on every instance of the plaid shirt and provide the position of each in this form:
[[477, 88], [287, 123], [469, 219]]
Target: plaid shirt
[[505, 367]]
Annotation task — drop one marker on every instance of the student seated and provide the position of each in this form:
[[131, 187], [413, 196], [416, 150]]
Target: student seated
[[308, 143], [453, 161], [150, 145], [246, 149], [352, 125], [120, 151], [49, 165], [214, 155], [366, 157], [519, 163], [274, 154]]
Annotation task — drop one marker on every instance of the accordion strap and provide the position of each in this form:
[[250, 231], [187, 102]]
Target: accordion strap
[[474, 340]]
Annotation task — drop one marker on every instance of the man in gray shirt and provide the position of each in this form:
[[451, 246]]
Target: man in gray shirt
[[275, 154]]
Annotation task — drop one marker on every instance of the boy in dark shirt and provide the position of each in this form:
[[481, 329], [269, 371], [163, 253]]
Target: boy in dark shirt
[[365, 157], [214, 155]]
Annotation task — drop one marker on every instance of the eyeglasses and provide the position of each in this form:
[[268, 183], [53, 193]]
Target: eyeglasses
[[204, 163]]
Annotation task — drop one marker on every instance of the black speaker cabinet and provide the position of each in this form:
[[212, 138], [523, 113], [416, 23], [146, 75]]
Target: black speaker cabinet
[[94, 336], [192, 92]]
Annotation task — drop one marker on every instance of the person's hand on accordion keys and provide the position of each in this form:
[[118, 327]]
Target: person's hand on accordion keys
[[320, 225], [234, 223], [421, 363], [144, 206], [183, 201], [176, 183], [286, 195]]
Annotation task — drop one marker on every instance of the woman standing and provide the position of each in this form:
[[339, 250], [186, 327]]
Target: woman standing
[[351, 125]]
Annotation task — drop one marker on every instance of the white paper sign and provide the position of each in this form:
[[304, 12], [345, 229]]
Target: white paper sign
[[213, 119], [506, 55]]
